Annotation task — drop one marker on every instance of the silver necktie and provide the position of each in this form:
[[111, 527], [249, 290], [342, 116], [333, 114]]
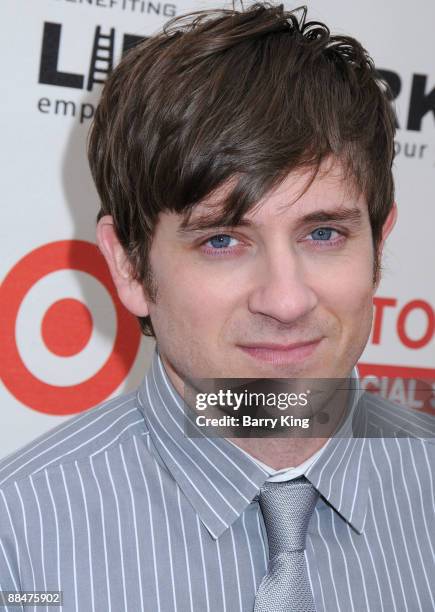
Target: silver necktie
[[287, 508]]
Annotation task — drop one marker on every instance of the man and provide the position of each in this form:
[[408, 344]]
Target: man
[[243, 160]]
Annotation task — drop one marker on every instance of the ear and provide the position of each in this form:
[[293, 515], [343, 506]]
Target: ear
[[130, 291], [389, 223]]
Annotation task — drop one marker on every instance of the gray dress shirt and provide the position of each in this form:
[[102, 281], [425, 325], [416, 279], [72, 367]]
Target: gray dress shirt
[[121, 512]]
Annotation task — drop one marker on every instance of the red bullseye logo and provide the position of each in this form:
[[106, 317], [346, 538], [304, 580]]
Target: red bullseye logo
[[66, 329], [78, 331]]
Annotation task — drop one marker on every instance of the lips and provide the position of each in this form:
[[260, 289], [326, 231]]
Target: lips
[[282, 354], [280, 347]]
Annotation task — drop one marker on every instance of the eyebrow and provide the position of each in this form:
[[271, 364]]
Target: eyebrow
[[318, 216]]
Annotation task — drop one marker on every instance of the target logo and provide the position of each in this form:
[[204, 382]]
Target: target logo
[[67, 341]]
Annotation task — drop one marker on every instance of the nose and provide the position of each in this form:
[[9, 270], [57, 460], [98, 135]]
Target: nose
[[282, 288]]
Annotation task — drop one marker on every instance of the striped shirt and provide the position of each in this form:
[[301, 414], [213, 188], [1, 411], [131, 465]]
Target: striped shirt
[[119, 510]]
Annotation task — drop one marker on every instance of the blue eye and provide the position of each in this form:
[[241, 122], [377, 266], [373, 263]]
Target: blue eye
[[220, 241], [322, 233]]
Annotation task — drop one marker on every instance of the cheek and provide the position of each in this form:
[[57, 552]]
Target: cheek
[[347, 304], [208, 303], [352, 307], [348, 293], [194, 302], [356, 296]]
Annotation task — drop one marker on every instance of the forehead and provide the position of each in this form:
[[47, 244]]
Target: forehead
[[302, 193]]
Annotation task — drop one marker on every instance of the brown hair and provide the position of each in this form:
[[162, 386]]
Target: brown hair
[[249, 94]]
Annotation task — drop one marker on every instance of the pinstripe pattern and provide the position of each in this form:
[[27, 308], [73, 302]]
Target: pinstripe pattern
[[120, 511]]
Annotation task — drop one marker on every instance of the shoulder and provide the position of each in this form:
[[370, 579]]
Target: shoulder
[[87, 434], [400, 446], [382, 418], [401, 441]]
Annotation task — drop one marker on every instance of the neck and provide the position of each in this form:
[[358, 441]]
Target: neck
[[279, 453]]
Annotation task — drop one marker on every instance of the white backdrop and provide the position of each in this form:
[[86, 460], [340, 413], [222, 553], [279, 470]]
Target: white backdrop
[[49, 265]]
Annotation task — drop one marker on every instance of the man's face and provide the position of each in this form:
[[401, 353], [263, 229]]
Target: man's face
[[230, 300]]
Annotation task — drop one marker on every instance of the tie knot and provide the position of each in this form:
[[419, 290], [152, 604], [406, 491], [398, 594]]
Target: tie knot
[[287, 508]]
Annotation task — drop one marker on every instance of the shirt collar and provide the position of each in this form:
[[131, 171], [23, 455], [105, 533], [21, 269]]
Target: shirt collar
[[220, 480], [217, 478], [341, 472]]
